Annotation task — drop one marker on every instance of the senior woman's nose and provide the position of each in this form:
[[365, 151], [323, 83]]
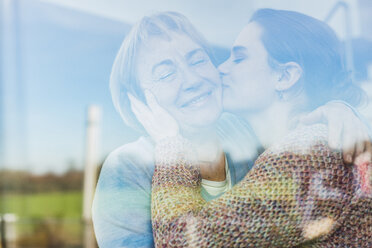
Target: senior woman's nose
[[192, 80]]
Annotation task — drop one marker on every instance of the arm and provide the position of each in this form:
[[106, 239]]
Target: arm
[[348, 129], [281, 202], [121, 207]]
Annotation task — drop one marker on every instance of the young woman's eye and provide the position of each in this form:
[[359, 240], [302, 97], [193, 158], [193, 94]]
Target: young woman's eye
[[238, 60]]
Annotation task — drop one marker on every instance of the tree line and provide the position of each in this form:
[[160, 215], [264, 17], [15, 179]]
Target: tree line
[[25, 182]]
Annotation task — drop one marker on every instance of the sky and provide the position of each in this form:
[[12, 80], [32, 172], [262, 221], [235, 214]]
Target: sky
[[219, 20], [56, 61]]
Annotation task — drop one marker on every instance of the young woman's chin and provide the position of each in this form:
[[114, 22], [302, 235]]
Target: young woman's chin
[[231, 105]]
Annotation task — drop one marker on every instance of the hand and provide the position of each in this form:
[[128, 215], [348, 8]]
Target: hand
[[346, 130], [158, 123]]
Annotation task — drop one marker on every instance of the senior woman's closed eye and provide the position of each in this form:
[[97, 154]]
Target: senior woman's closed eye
[[164, 71]]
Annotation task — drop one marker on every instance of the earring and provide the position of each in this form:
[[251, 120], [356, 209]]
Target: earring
[[280, 95]]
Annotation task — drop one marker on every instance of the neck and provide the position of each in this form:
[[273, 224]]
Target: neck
[[270, 124], [206, 142], [200, 134]]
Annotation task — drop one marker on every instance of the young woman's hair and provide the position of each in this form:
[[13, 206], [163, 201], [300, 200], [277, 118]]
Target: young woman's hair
[[123, 79], [290, 36]]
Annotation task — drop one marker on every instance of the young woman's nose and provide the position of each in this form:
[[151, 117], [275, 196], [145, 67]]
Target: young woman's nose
[[224, 67]]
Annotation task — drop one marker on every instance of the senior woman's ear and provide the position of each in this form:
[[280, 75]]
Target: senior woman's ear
[[288, 75]]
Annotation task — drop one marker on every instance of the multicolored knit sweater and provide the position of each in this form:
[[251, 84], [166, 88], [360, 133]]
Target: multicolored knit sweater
[[299, 193]]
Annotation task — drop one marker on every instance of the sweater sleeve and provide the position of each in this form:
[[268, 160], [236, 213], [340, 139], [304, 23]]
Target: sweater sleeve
[[295, 194]]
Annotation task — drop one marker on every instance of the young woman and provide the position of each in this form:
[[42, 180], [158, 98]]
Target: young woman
[[299, 192]]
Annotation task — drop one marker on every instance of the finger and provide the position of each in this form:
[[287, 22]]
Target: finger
[[133, 100], [315, 116], [335, 132], [359, 147], [348, 147], [145, 117], [360, 136], [140, 110], [135, 103], [368, 148], [347, 154], [151, 101], [353, 140], [361, 142], [138, 113]]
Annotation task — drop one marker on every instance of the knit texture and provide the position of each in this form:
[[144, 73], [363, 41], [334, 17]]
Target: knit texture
[[299, 193]]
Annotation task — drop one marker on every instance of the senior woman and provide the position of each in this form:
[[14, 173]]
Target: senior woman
[[299, 192], [165, 55]]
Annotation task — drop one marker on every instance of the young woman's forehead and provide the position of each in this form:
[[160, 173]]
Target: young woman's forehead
[[251, 33]]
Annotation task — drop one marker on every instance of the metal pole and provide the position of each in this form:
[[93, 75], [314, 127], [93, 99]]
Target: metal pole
[[2, 232], [90, 173], [1, 86], [348, 34], [10, 230], [2, 224]]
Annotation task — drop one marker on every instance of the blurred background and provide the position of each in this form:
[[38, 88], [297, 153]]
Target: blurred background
[[57, 121]]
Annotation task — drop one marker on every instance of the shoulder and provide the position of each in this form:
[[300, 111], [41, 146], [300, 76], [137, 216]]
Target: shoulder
[[301, 155], [141, 149], [303, 139], [132, 163], [304, 146], [137, 153]]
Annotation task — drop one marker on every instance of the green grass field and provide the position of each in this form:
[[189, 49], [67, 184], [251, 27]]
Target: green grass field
[[47, 219], [44, 205]]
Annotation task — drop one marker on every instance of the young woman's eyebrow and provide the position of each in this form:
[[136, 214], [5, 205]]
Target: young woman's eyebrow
[[239, 49]]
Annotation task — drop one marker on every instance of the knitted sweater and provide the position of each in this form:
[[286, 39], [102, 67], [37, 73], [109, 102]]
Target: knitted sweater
[[299, 193]]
